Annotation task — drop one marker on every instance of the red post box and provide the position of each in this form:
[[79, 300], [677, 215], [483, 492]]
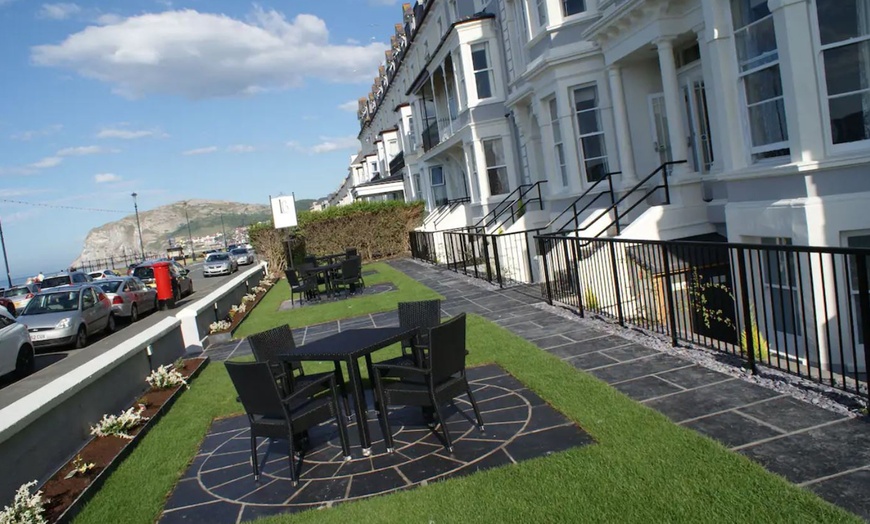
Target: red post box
[[164, 284]]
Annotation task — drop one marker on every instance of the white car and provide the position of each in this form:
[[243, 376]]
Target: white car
[[105, 273], [16, 349]]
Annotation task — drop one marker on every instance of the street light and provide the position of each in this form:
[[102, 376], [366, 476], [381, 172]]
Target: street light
[[189, 234], [5, 259], [138, 226]]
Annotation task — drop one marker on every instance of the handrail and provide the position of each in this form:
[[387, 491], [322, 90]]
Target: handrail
[[451, 205], [486, 218], [573, 205], [529, 188]]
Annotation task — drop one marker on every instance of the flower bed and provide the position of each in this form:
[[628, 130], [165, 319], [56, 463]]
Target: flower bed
[[68, 490], [222, 330]]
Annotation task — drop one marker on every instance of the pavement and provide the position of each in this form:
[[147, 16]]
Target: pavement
[[57, 363]]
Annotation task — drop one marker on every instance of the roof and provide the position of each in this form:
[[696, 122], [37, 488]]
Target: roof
[[386, 180], [682, 258]]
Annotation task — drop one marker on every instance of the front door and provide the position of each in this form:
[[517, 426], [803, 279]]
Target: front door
[[659, 119], [696, 119]]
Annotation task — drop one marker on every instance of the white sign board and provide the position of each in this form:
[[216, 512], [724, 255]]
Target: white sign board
[[284, 211]]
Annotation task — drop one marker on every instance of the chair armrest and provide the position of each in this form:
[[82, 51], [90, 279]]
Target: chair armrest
[[393, 367], [308, 389]]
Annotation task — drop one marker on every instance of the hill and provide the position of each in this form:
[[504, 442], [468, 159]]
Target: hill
[[159, 224]]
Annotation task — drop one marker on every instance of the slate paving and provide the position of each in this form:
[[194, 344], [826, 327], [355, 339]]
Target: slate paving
[[823, 451], [219, 485]]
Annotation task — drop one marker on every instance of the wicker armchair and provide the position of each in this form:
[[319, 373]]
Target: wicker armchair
[[305, 287], [421, 315], [438, 383], [274, 415]]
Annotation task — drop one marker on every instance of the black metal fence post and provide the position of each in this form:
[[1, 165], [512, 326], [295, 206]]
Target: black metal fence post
[[474, 255], [748, 321], [486, 258], [669, 289], [614, 267], [575, 245], [497, 260], [864, 302], [542, 252], [529, 254]]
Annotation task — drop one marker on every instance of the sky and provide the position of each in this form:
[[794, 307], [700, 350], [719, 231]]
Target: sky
[[173, 100]]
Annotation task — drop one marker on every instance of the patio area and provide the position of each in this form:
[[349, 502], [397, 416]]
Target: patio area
[[219, 485]]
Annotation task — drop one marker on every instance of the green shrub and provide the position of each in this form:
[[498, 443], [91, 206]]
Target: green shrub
[[591, 299], [759, 343]]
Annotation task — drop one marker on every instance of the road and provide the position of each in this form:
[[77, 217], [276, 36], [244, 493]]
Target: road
[[52, 365]]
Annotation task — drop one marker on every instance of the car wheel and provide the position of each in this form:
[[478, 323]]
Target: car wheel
[[134, 313], [190, 289], [110, 324], [176, 293], [81, 338], [156, 304], [25, 364]]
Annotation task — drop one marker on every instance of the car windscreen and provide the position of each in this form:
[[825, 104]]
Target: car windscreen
[[53, 303], [61, 280], [16, 292], [144, 272], [240, 251], [219, 257], [110, 287]]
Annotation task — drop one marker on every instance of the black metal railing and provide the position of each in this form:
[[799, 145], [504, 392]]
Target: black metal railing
[[503, 259], [518, 207], [450, 207], [507, 204], [423, 245], [572, 207], [119, 262], [801, 310]]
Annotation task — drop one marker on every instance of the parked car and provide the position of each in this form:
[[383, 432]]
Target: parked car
[[129, 296], [16, 349], [182, 285], [8, 305], [243, 256], [219, 264], [105, 273], [67, 315], [64, 279], [20, 296]]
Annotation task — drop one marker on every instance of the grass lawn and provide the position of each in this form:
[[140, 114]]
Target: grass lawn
[[266, 315], [643, 468]]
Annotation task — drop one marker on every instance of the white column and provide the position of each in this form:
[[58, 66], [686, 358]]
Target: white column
[[798, 71], [673, 106], [623, 134]]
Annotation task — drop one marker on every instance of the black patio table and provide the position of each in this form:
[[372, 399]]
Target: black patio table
[[327, 270], [330, 258], [348, 346]]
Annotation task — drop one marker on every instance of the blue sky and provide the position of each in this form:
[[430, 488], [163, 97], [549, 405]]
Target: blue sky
[[174, 100]]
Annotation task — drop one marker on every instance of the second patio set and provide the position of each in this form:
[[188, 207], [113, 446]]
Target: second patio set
[[284, 402], [331, 274]]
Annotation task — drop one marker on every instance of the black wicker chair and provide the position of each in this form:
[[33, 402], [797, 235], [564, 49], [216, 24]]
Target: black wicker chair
[[422, 315], [350, 252], [438, 383], [277, 416], [351, 274], [305, 287], [269, 345]]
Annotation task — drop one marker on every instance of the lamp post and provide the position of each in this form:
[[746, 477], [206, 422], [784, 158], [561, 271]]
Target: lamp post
[[5, 259], [189, 234], [138, 226]]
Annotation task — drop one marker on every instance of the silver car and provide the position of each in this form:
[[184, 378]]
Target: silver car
[[67, 315], [219, 264], [21, 295], [129, 296], [243, 256], [104, 273]]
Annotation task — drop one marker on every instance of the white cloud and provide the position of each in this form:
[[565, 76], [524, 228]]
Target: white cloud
[[49, 161], [382, 2], [202, 55], [129, 134], [20, 192], [84, 150], [241, 148], [30, 135], [327, 145], [201, 151], [351, 106], [60, 11], [108, 19], [105, 178]]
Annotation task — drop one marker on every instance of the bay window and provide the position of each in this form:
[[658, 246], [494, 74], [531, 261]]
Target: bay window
[[558, 145], [844, 30], [758, 59], [572, 7], [496, 166], [439, 187], [541, 10], [482, 70], [590, 133]]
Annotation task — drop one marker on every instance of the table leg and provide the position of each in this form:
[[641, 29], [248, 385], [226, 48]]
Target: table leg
[[371, 371], [359, 404]]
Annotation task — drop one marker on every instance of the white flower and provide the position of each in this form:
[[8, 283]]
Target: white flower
[[249, 298], [119, 425], [26, 508], [221, 325], [165, 378]]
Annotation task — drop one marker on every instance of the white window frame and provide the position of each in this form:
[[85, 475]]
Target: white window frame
[[442, 184], [564, 7], [412, 133], [846, 147], [497, 167], [580, 136], [488, 70], [744, 101], [541, 17], [558, 140]]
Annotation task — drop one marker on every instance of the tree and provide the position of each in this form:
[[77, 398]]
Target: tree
[[270, 244]]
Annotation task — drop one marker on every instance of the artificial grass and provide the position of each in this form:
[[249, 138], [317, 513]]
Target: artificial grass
[[266, 315], [642, 467]]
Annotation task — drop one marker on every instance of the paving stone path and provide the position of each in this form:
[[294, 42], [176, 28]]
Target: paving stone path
[[812, 447]]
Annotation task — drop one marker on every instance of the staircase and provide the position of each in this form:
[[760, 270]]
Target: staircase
[[512, 208]]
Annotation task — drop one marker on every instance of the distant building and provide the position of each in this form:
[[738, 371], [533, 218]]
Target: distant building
[[320, 205]]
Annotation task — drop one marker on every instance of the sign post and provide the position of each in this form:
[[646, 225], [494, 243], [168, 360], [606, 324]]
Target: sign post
[[284, 216]]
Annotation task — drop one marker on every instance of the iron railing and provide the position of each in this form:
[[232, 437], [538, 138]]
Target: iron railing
[[120, 262], [507, 204], [575, 216], [518, 207], [503, 259], [801, 310]]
